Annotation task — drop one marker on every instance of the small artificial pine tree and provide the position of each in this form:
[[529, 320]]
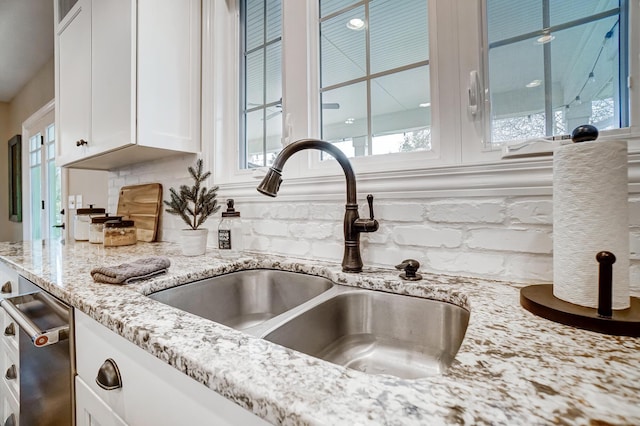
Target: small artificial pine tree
[[194, 205]]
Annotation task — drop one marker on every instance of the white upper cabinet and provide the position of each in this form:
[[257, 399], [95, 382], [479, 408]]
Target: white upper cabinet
[[127, 81]]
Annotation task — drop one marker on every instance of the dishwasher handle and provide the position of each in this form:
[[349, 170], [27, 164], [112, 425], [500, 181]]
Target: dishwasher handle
[[40, 338]]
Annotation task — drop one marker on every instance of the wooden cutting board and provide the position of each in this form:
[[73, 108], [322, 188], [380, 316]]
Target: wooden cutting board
[[142, 204]]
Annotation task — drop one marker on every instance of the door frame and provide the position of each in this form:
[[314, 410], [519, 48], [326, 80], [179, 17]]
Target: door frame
[[48, 108]]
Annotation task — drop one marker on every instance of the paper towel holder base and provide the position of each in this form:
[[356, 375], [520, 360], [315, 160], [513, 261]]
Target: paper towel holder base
[[539, 300]]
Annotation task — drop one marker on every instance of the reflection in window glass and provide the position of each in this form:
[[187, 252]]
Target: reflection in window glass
[[261, 82], [559, 68], [375, 79]]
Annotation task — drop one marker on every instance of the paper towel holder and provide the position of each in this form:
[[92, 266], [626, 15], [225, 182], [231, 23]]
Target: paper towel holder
[[539, 300]]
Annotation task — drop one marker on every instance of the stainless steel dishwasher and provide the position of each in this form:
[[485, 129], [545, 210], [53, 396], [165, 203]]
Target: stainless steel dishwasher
[[47, 362]]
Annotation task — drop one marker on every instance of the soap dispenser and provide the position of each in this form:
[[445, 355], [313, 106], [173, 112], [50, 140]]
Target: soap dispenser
[[230, 242]]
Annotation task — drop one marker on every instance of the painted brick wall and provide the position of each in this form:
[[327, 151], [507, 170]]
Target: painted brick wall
[[507, 238]]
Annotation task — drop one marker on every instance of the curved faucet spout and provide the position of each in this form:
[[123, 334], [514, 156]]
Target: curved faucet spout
[[271, 183], [353, 225]]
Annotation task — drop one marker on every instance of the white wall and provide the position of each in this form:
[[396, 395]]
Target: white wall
[[35, 94], [499, 237]]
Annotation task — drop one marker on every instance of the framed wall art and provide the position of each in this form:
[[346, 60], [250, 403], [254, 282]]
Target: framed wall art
[[15, 179]]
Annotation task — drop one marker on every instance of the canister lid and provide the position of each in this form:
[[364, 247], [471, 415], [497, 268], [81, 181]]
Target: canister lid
[[119, 223], [105, 218], [90, 210]]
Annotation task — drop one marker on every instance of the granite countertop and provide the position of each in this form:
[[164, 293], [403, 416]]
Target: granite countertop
[[512, 368]]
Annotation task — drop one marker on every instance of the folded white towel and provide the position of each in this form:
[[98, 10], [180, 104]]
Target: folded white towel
[[125, 273]]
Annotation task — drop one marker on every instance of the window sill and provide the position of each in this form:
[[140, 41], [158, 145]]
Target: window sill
[[504, 178]]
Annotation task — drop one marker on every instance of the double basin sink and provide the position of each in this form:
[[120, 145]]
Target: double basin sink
[[370, 331]]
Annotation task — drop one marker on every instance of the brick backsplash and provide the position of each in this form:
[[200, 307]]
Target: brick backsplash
[[506, 238]]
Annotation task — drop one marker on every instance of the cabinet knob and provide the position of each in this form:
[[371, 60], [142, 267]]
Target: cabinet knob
[[11, 420], [109, 376], [81, 142], [6, 287], [10, 330], [12, 373]]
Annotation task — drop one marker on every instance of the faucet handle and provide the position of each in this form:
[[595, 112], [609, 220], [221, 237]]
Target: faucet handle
[[370, 202]]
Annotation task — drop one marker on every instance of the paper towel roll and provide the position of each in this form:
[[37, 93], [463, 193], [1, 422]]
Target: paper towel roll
[[590, 214]]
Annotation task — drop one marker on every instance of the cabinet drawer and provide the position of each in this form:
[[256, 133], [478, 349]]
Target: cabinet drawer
[[8, 406], [152, 392], [10, 370], [8, 281], [9, 331]]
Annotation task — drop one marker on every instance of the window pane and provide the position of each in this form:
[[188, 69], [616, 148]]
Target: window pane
[[36, 222], [547, 84], [261, 82], [507, 19], [34, 142], [344, 116], [517, 91], [397, 107], [342, 49], [328, 7], [254, 23], [51, 133], [569, 10], [274, 72], [254, 79], [51, 151], [255, 138], [55, 199], [391, 48], [274, 19]]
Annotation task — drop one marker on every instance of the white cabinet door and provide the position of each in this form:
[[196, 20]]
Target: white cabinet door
[[151, 392], [73, 78], [112, 71], [91, 410]]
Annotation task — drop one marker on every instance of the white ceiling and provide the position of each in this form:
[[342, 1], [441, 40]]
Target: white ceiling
[[26, 42]]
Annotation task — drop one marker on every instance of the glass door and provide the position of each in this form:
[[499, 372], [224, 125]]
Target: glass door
[[46, 186], [44, 202]]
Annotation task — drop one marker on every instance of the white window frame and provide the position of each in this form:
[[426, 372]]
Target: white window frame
[[462, 166]]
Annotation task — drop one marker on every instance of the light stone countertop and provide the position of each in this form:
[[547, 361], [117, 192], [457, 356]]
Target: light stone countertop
[[512, 368]]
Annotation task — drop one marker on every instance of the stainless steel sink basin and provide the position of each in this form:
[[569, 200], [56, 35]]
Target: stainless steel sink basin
[[378, 333], [370, 331], [244, 299]]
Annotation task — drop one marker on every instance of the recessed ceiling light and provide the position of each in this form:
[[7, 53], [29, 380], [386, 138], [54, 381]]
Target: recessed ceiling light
[[545, 39], [534, 83], [349, 121], [355, 24], [425, 104]]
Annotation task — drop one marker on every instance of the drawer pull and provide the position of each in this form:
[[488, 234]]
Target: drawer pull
[[11, 420], [81, 142], [10, 330], [6, 287], [12, 373], [109, 376]]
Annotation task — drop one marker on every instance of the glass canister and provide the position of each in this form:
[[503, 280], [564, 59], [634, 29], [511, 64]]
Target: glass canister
[[119, 233], [96, 230], [230, 243], [82, 222]]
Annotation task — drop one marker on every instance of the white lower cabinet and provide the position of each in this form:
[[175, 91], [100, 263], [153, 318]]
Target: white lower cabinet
[[151, 391], [9, 352], [91, 410]]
